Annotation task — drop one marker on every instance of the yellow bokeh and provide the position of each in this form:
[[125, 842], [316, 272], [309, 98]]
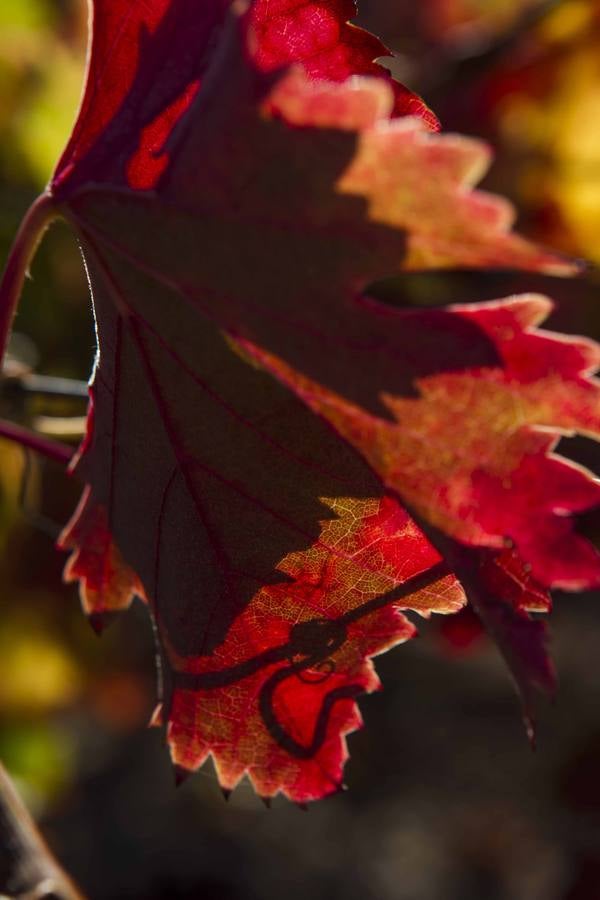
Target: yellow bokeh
[[37, 671], [40, 84], [552, 123]]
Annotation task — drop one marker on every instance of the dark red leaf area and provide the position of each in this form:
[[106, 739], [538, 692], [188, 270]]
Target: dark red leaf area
[[461, 633], [524, 644], [147, 60], [274, 562], [224, 493], [241, 183], [388, 348], [501, 591], [506, 575], [145, 57], [503, 575]]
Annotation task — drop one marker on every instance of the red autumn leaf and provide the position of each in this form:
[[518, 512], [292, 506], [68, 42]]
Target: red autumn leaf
[[230, 308]]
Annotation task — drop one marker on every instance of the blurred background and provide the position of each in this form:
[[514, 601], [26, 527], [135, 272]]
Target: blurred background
[[446, 801]]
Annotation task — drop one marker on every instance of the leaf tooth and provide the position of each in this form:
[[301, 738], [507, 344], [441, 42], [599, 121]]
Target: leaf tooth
[[181, 774], [157, 717], [98, 621]]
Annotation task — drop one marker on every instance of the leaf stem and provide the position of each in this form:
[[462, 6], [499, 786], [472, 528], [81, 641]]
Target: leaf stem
[[54, 450], [33, 226]]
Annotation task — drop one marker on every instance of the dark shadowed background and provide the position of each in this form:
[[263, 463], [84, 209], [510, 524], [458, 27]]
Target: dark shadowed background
[[446, 801]]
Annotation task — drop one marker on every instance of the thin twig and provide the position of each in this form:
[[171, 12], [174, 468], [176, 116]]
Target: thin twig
[[28, 870], [54, 450], [32, 384]]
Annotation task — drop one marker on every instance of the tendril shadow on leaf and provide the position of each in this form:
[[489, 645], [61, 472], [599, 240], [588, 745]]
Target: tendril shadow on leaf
[[314, 641]]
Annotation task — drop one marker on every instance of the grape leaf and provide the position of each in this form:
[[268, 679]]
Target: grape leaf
[[259, 420], [207, 541]]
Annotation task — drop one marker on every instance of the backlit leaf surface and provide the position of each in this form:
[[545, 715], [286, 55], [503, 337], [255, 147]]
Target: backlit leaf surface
[[282, 461]]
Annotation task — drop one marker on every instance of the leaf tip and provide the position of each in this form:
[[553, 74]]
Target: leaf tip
[[157, 719], [180, 774], [98, 621]]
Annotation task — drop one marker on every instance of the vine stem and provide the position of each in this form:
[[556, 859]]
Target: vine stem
[[54, 450], [39, 216], [27, 868], [29, 235]]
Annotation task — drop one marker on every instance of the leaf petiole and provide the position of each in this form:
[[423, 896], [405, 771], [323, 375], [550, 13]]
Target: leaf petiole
[[29, 235]]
